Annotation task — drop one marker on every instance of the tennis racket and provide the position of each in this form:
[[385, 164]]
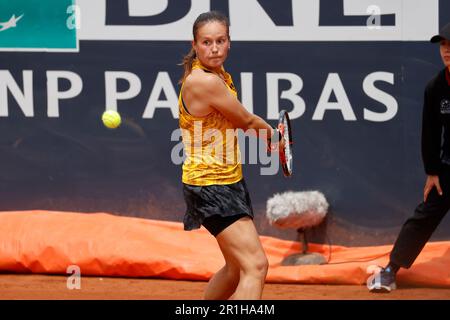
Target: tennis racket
[[285, 149]]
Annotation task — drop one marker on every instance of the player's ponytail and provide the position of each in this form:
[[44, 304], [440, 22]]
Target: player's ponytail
[[202, 19], [187, 63]]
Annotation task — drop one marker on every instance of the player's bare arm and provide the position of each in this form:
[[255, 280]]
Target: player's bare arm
[[209, 90]]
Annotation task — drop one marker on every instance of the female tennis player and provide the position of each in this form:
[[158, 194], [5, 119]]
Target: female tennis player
[[213, 186]]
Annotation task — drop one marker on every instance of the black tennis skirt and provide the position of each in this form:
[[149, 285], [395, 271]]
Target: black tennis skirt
[[216, 206]]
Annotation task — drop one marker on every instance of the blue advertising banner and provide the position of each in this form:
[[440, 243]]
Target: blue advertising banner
[[352, 77]]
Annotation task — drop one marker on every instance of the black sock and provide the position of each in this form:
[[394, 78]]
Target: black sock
[[392, 267]]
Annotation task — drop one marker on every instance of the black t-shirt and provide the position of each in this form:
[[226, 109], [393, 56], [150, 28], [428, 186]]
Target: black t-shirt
[[436, 123]]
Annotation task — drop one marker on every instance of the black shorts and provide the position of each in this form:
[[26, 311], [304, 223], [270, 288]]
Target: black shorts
[[216, 206]]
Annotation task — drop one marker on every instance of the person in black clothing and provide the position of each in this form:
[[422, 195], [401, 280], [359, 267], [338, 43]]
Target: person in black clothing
[[418, 229]]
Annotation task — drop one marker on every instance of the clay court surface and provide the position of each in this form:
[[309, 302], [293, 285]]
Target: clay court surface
[[44, 287]]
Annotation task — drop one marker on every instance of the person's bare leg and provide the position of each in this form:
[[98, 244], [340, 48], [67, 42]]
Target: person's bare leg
[[241, 246], [223, 284]]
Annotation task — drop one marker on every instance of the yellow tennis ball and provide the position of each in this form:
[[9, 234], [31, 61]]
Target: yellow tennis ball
[[111, 119]]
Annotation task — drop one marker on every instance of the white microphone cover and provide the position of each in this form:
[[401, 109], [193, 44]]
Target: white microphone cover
[[296, 210]]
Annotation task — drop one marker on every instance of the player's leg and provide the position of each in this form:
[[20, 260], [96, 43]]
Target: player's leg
[[242, 248], [223, 283]]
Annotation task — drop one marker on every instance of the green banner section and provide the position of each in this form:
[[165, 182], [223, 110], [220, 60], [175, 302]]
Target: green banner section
[[37, 24]]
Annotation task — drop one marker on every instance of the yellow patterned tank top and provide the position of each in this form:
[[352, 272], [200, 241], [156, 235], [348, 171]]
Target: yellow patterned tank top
[[210, 144]]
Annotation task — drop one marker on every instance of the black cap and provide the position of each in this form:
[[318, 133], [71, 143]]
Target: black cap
[[443, 34]]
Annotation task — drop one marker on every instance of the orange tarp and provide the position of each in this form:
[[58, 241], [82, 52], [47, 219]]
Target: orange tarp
[[106, 245]]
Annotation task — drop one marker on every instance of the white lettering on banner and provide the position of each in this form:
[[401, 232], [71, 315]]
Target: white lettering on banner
[[53, 93], [334, 84], [380, 96], [23, 98], [415, 20], [247, 90], [162, 84], [112, 95], [273, 107]]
